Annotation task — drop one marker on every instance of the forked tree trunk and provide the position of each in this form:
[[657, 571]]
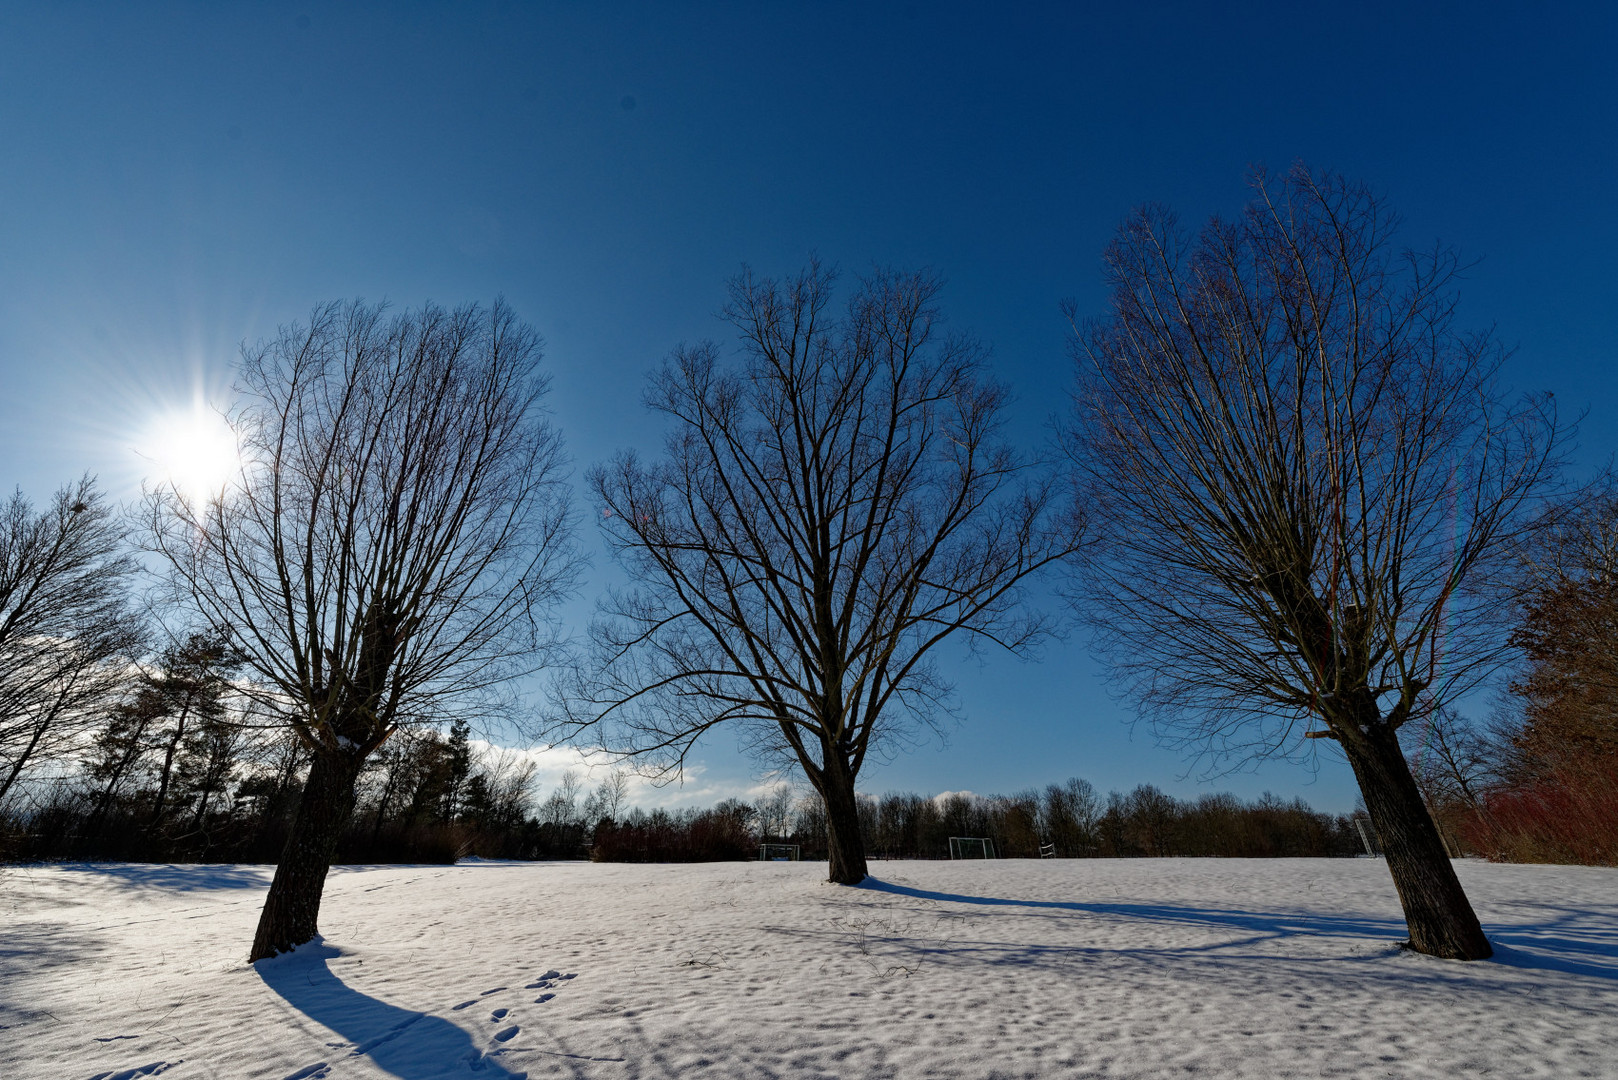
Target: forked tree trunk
[[845, 847], [292, 909], [1439, 916]]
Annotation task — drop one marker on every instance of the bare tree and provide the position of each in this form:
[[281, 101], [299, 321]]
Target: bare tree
[[387, 554], [609, 800], [775, 813], [1071, 813], [825, 515], [561, 807], [1453, 759], [504, 788], [1304, 478], [67, 637]]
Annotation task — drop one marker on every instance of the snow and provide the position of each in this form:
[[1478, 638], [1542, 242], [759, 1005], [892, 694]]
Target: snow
[[1084, 968]]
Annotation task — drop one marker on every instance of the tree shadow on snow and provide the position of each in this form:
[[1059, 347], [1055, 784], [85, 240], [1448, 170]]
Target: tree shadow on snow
[[410, 1045], [1575, 958], [180, 877], [1262, 922], [1557, 937], [30, 959], [1563, 943]]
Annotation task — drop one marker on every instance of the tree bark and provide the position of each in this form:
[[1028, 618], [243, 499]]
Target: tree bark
[[292, 909], [845, 847], [1439, 916]]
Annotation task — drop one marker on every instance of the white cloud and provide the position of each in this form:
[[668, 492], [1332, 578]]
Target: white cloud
[[594, 764]]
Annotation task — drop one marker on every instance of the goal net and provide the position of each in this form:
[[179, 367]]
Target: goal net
[[971, 847], [778, 853]]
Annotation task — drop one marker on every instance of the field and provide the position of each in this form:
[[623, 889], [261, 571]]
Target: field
[[1087, 968]]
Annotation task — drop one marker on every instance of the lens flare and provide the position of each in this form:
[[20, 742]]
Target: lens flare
[[193, 450]]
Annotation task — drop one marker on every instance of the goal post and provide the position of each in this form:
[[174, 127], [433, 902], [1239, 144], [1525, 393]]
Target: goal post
[[778, 853], [971, 847]]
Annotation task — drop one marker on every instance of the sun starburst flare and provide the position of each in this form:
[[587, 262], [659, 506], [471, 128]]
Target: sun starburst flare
[[193, 450]]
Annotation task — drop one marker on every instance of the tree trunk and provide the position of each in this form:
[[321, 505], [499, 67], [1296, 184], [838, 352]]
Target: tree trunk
[[202, 803], [292, 909], [1439, 916], [387, 793], [168, 765], [117, 777], [845, 848], [22, 759]]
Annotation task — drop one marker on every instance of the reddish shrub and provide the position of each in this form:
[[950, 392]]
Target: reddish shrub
[[1558, 819]]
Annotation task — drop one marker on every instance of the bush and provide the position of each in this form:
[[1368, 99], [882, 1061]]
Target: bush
[[1557, 819]]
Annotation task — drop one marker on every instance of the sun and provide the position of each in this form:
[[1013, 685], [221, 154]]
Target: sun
[[193, 450]]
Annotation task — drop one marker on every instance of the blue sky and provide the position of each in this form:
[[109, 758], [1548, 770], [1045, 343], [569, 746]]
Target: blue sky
[[175, 179]]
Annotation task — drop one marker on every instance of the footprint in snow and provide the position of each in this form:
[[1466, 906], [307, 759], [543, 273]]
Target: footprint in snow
[[549, 980], [498, 1015], [138, 1071], [507, 1035], [474, 1001]]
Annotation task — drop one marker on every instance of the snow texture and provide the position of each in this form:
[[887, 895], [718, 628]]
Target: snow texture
[[1088, 968]]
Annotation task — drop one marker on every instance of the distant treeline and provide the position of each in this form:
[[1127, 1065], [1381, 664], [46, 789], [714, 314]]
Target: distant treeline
[[1067, 820], [184, 786], [172, 779], [177, 772]]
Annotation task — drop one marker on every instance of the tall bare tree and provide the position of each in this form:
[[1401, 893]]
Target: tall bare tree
[[67, 636], [1304, 477], [609, 800], [825, 515], [1453, 758], [388, 552]]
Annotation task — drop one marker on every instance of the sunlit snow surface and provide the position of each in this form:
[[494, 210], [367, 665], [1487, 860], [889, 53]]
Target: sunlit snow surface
[[1147, 968]]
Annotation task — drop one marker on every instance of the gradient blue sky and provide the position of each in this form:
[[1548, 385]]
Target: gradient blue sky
[[175, 179]]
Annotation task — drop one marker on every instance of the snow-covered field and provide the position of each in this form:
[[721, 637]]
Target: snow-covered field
[[1146, 968]]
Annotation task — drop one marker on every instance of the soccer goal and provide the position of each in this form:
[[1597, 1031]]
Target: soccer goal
[[778, 853], [971, 847]]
